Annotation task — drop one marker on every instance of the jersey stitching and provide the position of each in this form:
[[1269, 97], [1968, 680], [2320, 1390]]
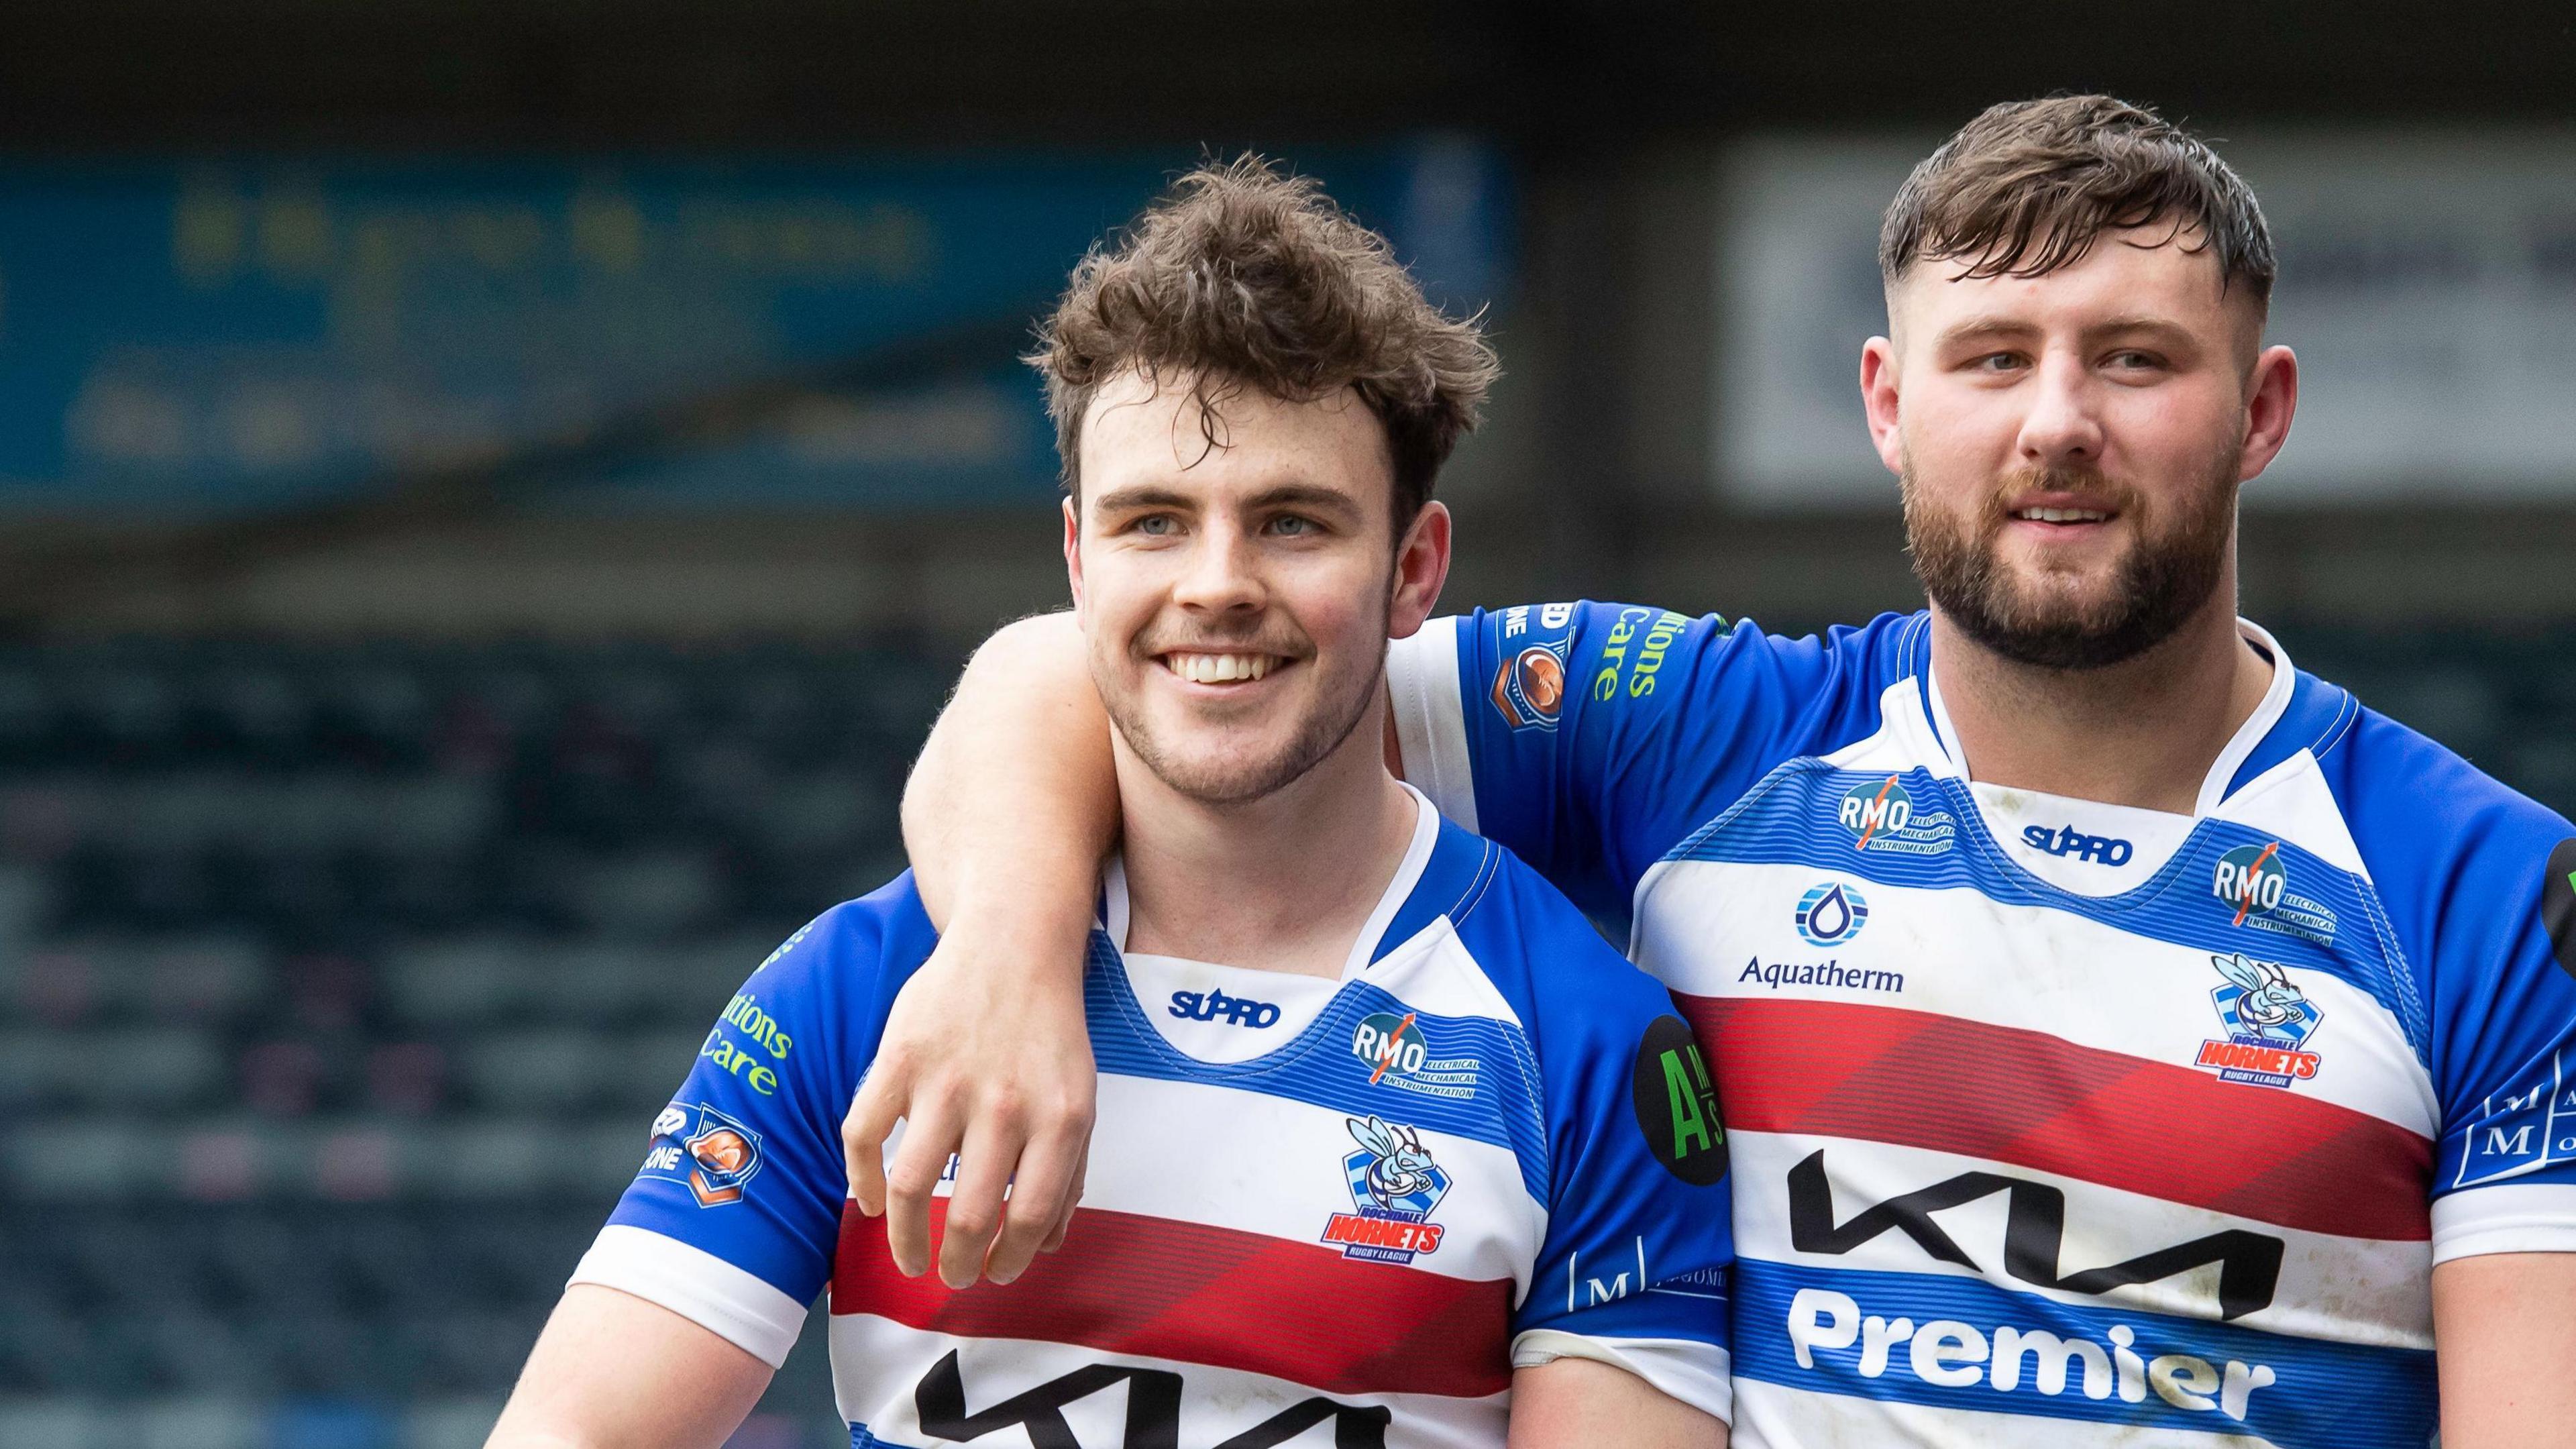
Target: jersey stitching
[[2347, 713]]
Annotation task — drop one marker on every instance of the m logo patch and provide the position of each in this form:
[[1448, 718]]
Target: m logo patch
[[1677, 1105]]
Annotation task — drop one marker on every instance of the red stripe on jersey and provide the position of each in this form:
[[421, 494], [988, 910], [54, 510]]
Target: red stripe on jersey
[[1883, 1074], [1193, 1293]]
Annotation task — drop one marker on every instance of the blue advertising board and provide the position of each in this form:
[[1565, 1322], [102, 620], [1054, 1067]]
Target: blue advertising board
[[224, 334]]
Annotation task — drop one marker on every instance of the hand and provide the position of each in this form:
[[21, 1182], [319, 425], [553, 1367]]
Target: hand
[[988, 1059]]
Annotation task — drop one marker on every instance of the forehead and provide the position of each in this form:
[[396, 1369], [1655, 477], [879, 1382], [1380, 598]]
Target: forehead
[[1137, 431], [2148, 273]]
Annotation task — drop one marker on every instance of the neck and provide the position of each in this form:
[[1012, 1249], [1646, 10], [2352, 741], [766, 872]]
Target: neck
[[2143, 732], [1282, 883]]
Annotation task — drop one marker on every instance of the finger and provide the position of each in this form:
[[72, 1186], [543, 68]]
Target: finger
[[1081, 1180], [929, 1137], [863, 1133], [975, 1204], [1042, 1195]]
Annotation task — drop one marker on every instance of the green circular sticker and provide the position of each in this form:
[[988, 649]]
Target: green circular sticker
[[1677, 1104], [2558, 904]]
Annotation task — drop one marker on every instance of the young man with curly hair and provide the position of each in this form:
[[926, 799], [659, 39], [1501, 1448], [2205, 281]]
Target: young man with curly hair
[[1393, 1152]]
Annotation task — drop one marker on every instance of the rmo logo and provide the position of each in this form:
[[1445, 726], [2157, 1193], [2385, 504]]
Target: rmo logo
[[1879, 808], [1389, 1043], [2251, 878]]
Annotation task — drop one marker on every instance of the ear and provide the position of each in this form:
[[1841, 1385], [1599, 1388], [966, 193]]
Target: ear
[[1073, 551], [1878, 398], [1421, 568], [2271, 399]]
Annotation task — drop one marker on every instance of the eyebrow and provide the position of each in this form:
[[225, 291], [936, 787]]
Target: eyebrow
[[1992, 326], [1284, 495]]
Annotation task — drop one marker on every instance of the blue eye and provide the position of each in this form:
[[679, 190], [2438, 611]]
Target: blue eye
[[1292, 524], [1156, 525]]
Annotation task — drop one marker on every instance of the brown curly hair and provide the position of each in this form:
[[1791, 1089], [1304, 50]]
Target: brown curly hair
[[2028, 186], [1240, 276]]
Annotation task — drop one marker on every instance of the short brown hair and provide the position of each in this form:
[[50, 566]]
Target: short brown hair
[[2028, 187], [1248, 278]]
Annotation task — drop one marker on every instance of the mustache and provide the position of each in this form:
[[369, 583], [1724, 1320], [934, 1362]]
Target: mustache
[[2092, 487], [1255, 641]]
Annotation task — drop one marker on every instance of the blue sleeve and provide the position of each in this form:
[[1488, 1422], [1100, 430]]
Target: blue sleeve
[[1596, 737], [744, 1171], [2503, 986], [2480, 887], [1639, 1241]]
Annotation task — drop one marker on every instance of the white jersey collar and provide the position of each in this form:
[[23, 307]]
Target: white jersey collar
[[1408, 874], [1952, 761]]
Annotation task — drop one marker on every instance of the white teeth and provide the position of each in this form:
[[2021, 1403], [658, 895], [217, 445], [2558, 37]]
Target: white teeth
[[2063, 515], [1217, 668]]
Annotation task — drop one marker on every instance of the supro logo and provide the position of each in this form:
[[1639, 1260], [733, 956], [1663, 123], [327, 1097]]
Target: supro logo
[[2250, 878], [1217, 1006], [2066, 840], [1872, 810]]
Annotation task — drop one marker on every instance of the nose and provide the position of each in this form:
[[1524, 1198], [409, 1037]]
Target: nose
[[1222, 576], [2064, 424]]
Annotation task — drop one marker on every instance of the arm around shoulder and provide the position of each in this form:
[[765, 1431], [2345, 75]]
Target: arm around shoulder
[[985, 1055]]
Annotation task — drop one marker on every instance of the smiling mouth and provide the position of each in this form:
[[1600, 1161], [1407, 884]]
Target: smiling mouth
[[1200, 668], [2061, 515]]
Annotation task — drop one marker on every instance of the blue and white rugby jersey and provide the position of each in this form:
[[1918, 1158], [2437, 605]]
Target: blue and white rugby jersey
[[2054, 1123], [1489, 1143]]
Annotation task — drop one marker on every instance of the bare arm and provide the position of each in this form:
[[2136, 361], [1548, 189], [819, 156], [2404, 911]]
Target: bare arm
[[2504, 1327], [612, 1371], [1579, 1403], [1007, 816]]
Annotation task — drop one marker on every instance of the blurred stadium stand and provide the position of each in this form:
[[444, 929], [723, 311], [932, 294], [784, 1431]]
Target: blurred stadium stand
[[372, 858], [337, 986]]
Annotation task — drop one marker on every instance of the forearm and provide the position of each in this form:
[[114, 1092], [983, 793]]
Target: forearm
[[1014, 800]]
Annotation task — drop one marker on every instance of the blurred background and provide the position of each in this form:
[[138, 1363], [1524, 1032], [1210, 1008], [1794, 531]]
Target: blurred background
[[491, 496]]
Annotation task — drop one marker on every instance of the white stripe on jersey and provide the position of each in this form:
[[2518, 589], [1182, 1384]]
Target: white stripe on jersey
[[2353, 1290], [1772, 1416], [2038, 969], [1273, 1165], [2511, 1218], [734, 1305], [886, 1361], [1430, 718]]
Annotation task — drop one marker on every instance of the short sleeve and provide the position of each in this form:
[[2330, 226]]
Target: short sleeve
[[735, 1213], [1634, 1267], [1592, 738], [2504, 989]]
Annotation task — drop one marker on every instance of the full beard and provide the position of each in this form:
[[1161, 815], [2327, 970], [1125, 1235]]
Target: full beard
[[2168, 575]]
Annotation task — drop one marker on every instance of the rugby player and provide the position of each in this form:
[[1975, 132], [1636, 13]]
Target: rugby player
[[2125, 1037], [1393, 1150]]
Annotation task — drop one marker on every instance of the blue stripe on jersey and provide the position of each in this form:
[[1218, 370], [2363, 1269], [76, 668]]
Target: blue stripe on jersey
[[2321, 1395], [1792, 818], [1317, 1066]]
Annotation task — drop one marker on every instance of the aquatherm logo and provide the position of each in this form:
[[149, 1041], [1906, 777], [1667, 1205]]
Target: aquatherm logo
[[1831, 914]]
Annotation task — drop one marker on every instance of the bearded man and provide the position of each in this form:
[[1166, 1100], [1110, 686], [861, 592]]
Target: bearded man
[[2122, 1036]]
